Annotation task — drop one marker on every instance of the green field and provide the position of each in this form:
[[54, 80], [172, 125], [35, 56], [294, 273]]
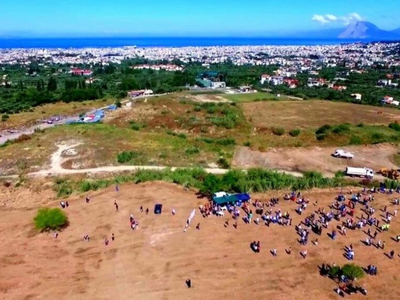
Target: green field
[[250, 97]]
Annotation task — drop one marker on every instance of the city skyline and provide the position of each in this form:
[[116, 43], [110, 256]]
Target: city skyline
[[180, 18]]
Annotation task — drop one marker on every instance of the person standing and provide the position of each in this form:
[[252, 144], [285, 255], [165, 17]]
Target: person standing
[[112, 237], [116, 205], [188, 283]]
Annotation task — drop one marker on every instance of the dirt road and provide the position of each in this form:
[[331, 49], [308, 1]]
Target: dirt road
[[317, 159], [57, 160]]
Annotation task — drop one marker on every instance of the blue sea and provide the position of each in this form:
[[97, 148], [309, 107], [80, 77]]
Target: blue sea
[[143, 42]]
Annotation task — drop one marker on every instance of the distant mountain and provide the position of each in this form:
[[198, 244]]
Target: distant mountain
[[367, 30]]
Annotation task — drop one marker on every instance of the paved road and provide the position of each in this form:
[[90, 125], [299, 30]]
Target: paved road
[[28, 131]]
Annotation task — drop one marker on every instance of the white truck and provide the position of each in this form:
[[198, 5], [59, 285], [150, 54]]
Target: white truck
[[360, 172], [343, 154]]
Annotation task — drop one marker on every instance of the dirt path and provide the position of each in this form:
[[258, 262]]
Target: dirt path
[[57, 160]]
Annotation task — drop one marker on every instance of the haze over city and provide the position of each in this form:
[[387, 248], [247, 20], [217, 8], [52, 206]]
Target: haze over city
[[94, 18]]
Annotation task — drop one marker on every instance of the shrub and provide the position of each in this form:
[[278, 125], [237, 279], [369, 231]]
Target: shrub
[[164, 112], [353, 271], [294, 132], [360, 125], [118, 103], [50, 219], [395, 126], [64, 190], [126, 156], [197, 108], [182, 136], [226, 142], [207, 140], [247, 144], [278, 131], [223, 163], [335, 272], [136, 127], [192, 151], [323, 129], [340, 129], [321, 137], [211, 110], [4, 118]]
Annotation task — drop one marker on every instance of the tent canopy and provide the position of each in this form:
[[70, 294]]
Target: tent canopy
[[243, 197], [225, 199], [231, 198]]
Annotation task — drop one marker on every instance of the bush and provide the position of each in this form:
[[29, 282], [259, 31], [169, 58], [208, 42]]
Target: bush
[[226, 142], [223, 163], [247, 144], [126, 156], [182, 136], [294, 132], [335, 272], [321, 137], [340, 129], [360, 125], [136, 127], [4, 118], [353, 271], [207, 140], [278, 131], [64, 190], [118, 103], [323, 129], [192, 150], [395, 126], [50, 219]]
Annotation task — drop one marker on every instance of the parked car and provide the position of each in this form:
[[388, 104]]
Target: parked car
[[343, 154]]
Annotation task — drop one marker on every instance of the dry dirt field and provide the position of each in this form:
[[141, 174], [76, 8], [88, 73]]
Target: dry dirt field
[[154, 261], [315, 113], [316, 158]]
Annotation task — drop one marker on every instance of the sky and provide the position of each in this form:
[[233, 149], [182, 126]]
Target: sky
[[86, 18]]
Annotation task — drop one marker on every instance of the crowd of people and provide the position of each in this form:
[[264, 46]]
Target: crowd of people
[[348, 212]]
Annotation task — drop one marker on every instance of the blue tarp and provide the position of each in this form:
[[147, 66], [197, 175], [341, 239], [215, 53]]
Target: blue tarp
[[112, 107], [99, 113], [243, 197], [231, 198]]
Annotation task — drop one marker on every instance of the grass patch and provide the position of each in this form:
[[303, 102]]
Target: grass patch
[[192, 151], [127, 156], [50, 219], [294, 132], [136, 126], [279, 131], [251, 97]]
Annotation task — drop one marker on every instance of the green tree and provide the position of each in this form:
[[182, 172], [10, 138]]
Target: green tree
[[52, 84], [353, 272]]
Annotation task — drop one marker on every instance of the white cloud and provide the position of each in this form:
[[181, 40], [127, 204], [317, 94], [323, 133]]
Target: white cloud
[[329, 18], [320, 19]]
